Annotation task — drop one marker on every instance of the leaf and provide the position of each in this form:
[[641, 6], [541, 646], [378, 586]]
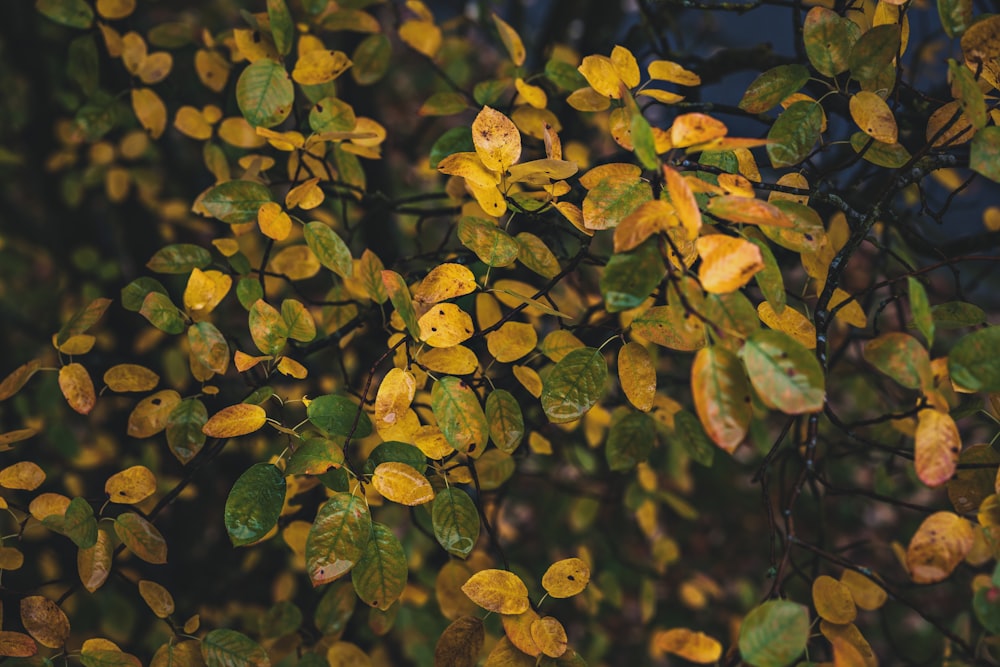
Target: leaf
[[77, 523], [179, 258], [690, 129], [785, 374], [984, 157], [159, 599], [692, 646], [313, 68], [94, 562], [672, 327], [185, 437], [973, 362], [150, 111], [874, 51], [18, 378], [44, 621], [264, 93], [771, 87], [70, 13], [901, 357], [400, 483], [574, 385], [496, 139], [235, 420], [236, 202], [229, 648], [566, 578], [511, 40], [315, 456], [455, 521], [459, 415], [511, 341], [399, 295], [267, 328], [537, 256], [727, 263], [379, 576], [329, 248], [612, 199], [162, 313], [874, 117], [774, 634], [937, 447], [941, 542], [77, 387], [506, 422], [444, 281], [141, 537], [492, 245], [130, 486], [833, 600], [637, 375], [721, 396], [975, 480], [337, 537], [747, 210], [794, 133], [829, 39], [254, 504], [498, 591], [630, 277], [130, 377], [24, 475], [550, 636], [461, 642], [866, 593], [339, 415], [17, 645], [921, 308], [630, 441]]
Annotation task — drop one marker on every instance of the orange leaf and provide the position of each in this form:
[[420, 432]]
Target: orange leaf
[[235, 420], [727, 263], [747, 210], [689, 645], [721, 396], [683, 200], [695, 128]]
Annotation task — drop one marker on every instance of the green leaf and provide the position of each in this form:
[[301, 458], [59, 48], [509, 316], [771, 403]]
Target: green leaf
[[336, 414], [574, 385], [70, 13], [456, 521], [506, 422], [162, 313], [83, 63], [630, 441], [774, 634], [956, 15], [209, 346], [77, 523], [332, 115], [141, 537], [443, 103], [984, 157], [874, 51], [315, 456], [643, 143], [184, 435], [785, 374], [771, 87], [829, 39], [398, 452], [107, 658], [254, 504], [135, 292], [380, 575], [630, 277], [986, 604], [612, 200], [534, 254], [330, 249], [282, 619], [794, 133], [249, 291], [492, 245], [229, 648], [693, 438], [236, 202], [974, 479], [957, 315], [265, 93], [83, 319], [487, 92], [921, 308], [671, 326], [890, 156], [901, 357], [337, 538], [335, 608], [179, 258], [371, 59], [974, 363], [455, 140], [565, 76], [459, 415], [298, 321], [282, 25], [402, 301], [769, 279], [966, 90]]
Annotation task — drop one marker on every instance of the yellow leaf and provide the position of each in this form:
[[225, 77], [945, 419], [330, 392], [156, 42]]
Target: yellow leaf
[[237, 132], [470, 167], [93, 564], [212, 69], [401, 483], [423, 36], [155, 68], [852, 313], [431, 441], [44, 621], [498, 591], [115, 9], [588, 99], [291, 368], [456, 360], [236, 420], [833, 600], [393, 400], [17, 379], [130, 377], [74, 345], [274, 222], [684, 203], [496, 138], [533, 95], [539, 444], [10, 559], [874, 117], [747, 210], [150, 110], [77, 387], [445, 325], [937, 446], [17, 435], [190, 122], [791, 322], [307, 195], [511, 40], [566, 578], [695, 128], [131, 486], [150, 415], [866, 593], [511, 341], [850, 648], [204, 291], [691, 646], [626, 66], [550, 636], [529, 379], [254, 45], [637, 376], [245, 362], [939, 545], [665, 70], [48, 504], [320, 66], [518, 630], [133, 51], [159, 599], [727, 263], [23, 475], [297, 262], [445, 281], [650, 218], [346, 654], [602, 75]]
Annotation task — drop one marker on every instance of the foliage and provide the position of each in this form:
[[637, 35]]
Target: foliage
[[443, 320]]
